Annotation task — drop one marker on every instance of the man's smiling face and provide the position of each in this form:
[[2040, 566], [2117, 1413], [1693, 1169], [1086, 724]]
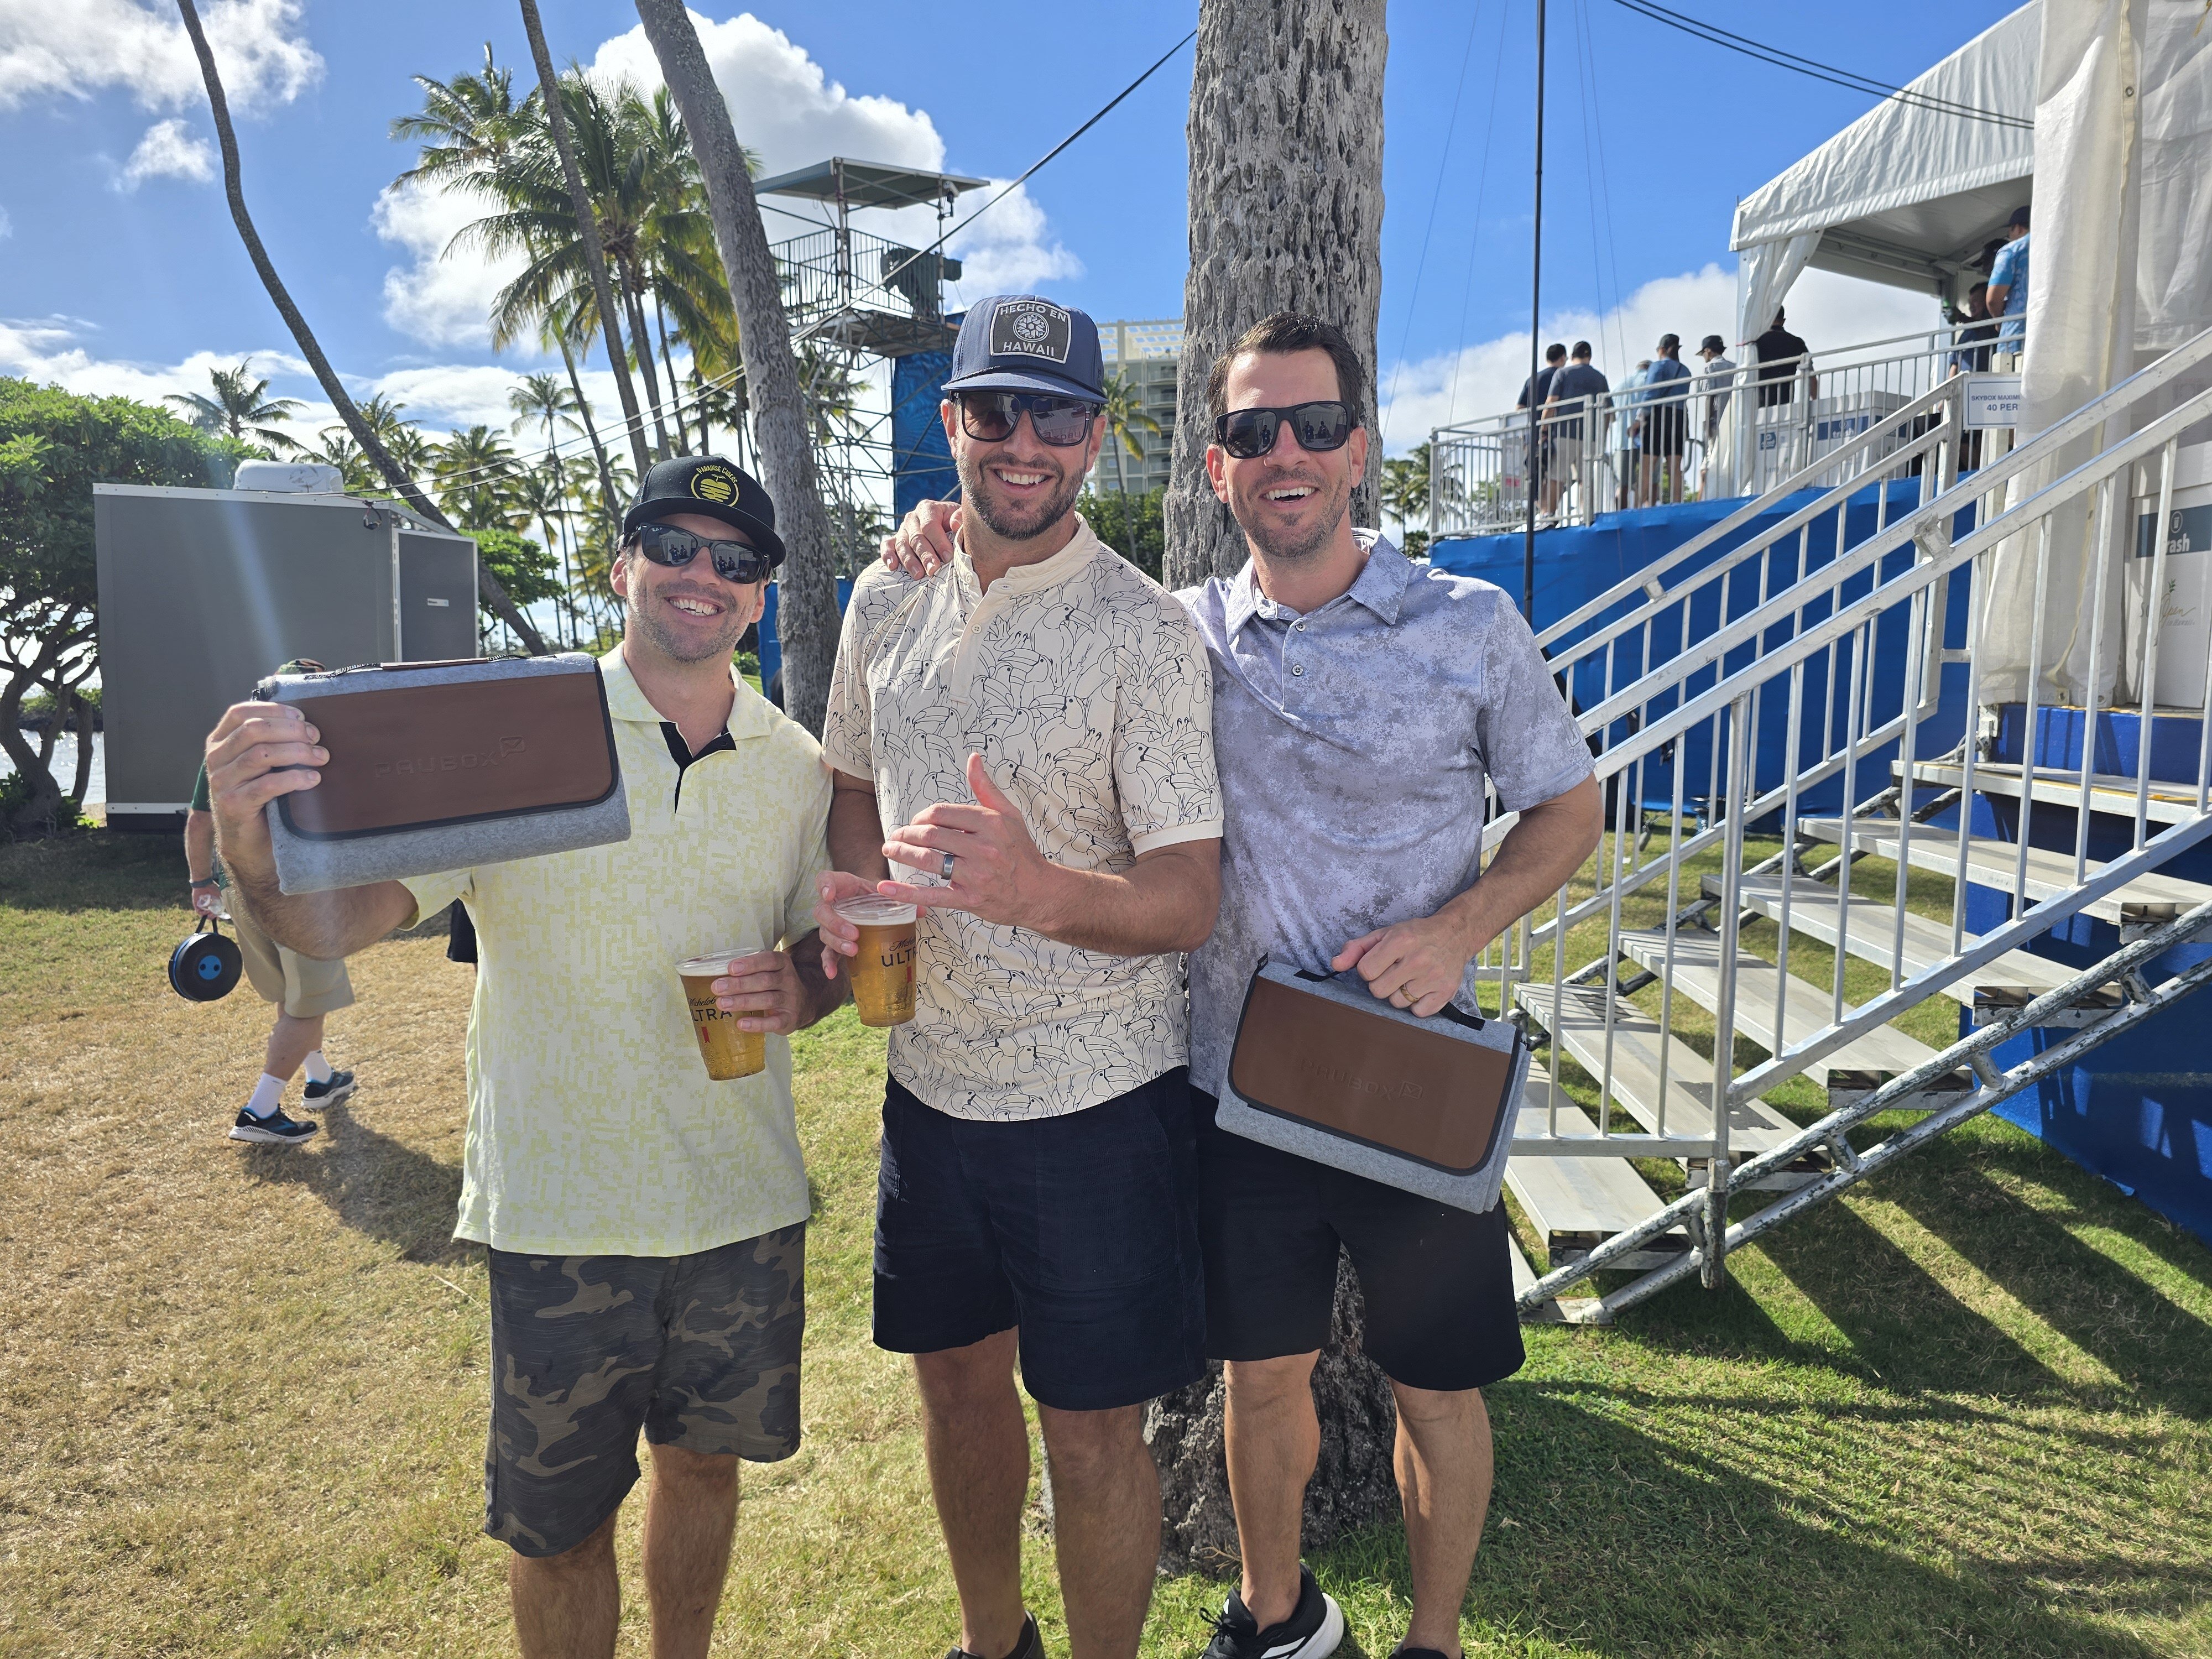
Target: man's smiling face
[[1290, 501], [1021, 487], [689, 614]]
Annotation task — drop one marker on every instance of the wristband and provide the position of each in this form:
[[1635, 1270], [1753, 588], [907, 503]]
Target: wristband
[[207, 881]]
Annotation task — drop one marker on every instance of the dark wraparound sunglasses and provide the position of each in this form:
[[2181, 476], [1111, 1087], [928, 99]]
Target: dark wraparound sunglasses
[[989, 417], [1248, 433], [734, 561]]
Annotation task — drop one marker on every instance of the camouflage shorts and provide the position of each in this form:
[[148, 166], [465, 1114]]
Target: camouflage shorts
[[701, 1352]]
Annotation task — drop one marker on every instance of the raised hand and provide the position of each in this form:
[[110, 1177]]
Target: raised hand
[[922, 543], [998, 874]]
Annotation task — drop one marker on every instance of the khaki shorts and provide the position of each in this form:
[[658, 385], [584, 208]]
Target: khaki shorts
[[303, 986]]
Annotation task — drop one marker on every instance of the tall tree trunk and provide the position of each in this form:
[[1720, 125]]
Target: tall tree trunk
[[83, 782], [495, 595], [587, 227], [1286, 139], [607, 492], [643, 341], [806, 615], [675, 386]]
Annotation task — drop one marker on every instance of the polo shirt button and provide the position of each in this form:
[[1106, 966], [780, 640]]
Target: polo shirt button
[[1297, 668], [1300, 625]]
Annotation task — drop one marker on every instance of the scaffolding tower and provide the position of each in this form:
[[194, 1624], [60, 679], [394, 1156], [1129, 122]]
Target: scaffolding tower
[[861, 306]]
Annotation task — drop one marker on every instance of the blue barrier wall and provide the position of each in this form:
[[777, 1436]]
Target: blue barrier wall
[[2138, 1110], [1574, 565], [771, 645], [922, 463]]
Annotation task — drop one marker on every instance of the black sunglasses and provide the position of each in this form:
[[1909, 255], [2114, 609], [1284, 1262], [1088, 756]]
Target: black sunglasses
[[1248, 433], [734, 561], [989, 417]]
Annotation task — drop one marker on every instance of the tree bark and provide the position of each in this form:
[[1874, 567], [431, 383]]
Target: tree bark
[[644, 343], [1353, 1482], [372, 446], [1286, 139], [806, 615], [587, 226]]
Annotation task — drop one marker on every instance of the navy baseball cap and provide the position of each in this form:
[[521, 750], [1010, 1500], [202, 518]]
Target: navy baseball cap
[[709, 485], [2019, 217], [1023, 343]]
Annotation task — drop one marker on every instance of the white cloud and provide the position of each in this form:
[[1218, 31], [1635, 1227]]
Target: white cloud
[[170, 150], [1828, 310], [80, 47], [438, 300], [47, 349], [789, 113]]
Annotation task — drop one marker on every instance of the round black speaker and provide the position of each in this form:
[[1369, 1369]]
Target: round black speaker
[[205, 966]]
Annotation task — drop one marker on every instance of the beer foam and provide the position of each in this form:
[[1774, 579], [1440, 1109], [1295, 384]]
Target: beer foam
[[872, 910]]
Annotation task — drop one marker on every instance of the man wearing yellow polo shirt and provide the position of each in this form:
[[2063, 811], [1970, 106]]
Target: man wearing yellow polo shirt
[[645, 1225]]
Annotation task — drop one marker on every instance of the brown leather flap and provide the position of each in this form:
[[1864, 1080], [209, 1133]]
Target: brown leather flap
[[428, 755], [1418, 1093]]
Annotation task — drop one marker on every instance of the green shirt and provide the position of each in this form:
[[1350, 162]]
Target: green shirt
[[593, 1129]]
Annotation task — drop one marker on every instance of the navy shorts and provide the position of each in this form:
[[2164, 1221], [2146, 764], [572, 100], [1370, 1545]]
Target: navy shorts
[[1437, 1281], [1081, 1231], [701, 1352]]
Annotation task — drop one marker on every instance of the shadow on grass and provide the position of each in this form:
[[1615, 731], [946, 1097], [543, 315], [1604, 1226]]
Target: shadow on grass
[[1614, 1541], [93, 869], [375, 1185]]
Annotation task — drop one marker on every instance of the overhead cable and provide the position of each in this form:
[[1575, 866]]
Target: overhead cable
[[1712, 34]]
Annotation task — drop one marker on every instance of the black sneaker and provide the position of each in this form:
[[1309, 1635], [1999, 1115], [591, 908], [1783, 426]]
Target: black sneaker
[[274, 1130], [1032, 1645], [319, 1095], [1313, 1630]]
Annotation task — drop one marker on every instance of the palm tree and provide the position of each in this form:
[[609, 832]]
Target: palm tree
[[241, 408], [543, 401], [1252, 237], [541, 493], [1405, 497], [1125, 415], [476, 474], [336, 447], [487, 584]]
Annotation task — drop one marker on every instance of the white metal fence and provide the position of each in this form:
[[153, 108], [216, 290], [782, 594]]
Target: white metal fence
[[1737, 432], [1767, 716]]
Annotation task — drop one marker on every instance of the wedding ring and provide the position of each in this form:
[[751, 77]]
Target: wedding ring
[[945, 868]]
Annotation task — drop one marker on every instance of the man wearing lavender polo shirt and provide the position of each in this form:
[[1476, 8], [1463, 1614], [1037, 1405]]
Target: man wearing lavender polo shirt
[[1359, 703]]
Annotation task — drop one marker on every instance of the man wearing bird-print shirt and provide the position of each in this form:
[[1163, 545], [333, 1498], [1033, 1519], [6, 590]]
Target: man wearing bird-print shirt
[[1027, 736]]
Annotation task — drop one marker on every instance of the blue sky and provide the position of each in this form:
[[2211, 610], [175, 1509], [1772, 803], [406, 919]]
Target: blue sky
[[119, 269]]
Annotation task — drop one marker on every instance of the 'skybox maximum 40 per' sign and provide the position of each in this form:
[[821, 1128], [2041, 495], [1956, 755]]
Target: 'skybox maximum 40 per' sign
[[1992, 401]]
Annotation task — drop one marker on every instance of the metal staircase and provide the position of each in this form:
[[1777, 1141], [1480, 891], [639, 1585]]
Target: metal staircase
[[1791, 778]]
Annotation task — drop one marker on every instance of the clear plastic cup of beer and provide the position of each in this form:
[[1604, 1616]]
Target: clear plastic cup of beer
[[728, 1051], [882, 973]]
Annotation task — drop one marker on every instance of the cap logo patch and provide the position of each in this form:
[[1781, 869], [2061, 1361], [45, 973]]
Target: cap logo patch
[[715, 483], [1031, 328]]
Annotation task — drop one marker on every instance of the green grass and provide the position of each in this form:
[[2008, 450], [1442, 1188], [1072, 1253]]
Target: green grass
[[1964, 1411]]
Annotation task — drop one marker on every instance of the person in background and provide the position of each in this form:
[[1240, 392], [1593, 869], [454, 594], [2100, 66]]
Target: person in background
[[1662, 423], [2007, 292], [1576, 396], [303, 988], [1976, 328], [1628, 399], [1781, 357], [1716, 384], [1535, 391]]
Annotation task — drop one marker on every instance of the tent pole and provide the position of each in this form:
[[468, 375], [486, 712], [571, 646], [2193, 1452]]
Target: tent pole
[[1533, 464]]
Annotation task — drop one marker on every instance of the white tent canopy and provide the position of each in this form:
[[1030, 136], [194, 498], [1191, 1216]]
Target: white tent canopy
[[1908, 193]]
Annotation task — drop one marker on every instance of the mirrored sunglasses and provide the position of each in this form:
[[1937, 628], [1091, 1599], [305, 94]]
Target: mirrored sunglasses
[[734, 561], [990, 416], [1248, 433]]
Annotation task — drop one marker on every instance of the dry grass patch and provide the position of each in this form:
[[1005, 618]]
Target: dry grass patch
[[242, 1393]]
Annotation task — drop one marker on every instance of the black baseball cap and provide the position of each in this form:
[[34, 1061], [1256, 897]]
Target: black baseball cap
[[1024, 343], [707, 484], [1713, 343]]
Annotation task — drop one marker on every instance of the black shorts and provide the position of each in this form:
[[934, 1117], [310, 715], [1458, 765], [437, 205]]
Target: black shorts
[[701, 1352], [1437, 1281], [1081, 1231], [1664, 429]]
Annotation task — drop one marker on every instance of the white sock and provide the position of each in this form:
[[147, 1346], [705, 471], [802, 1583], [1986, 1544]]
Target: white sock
[[318, 1069], [268, 1094]]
